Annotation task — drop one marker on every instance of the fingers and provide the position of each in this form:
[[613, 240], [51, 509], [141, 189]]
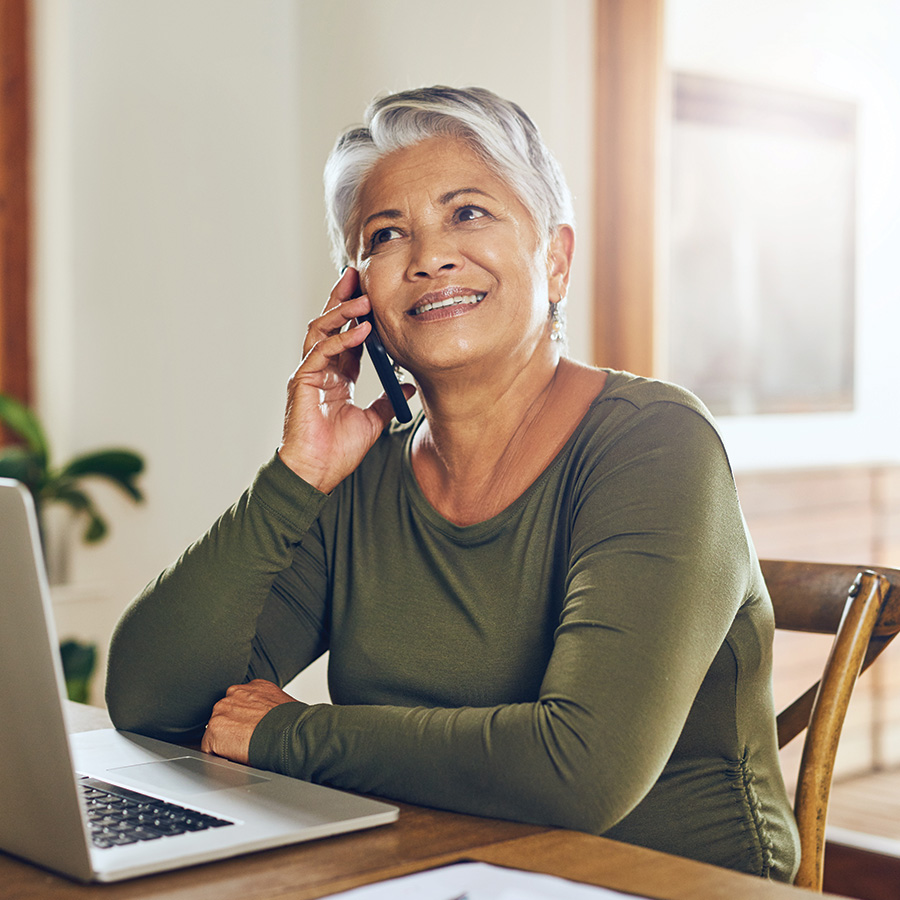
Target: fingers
[[325, 435], [235, 717], [327, 353], [346, 287], [345, 303], [383, 408], [333, 321], [258, 690]]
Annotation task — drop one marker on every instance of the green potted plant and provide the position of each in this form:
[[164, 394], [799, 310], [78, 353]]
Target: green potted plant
[[78, 661], [29, 461]]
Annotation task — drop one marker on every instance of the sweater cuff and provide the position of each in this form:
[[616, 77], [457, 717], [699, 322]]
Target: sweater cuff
[[285, 495], [271, 746]]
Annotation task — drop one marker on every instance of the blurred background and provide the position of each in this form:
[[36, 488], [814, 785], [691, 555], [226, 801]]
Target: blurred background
[[737, 197]]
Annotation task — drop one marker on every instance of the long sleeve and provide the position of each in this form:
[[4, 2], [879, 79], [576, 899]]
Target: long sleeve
[[191, 633]]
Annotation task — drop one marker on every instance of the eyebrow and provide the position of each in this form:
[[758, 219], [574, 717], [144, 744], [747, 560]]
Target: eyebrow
[[384, 214], [444, 199], [452, 195]]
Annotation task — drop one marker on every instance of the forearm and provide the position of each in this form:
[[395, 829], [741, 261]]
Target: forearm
[[188, 636], [393, 752], [523, 762]]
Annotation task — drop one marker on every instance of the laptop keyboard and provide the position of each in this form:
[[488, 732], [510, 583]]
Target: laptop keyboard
[[118, 816]]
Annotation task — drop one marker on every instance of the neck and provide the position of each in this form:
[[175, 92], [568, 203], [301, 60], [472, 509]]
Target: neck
[[460, 404], [472, 454]]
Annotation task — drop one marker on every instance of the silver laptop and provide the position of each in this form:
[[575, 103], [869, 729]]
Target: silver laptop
[[107, 805]]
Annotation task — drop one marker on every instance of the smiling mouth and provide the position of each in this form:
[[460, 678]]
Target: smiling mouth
[[465, 300]]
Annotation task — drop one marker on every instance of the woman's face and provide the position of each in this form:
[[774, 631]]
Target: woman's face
[[452, 262]]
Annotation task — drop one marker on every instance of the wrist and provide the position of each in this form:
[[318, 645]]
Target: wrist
[[274, 743], [315, 476], [281, 492]]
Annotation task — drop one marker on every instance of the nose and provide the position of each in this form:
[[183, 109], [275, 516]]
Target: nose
[[433, 253]]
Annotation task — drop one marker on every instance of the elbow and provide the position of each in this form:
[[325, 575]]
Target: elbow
[[127, 712], [126, 700], [141, 717], [135, 704], [119, 705], [589, 782], [585, 806], [130, 711]]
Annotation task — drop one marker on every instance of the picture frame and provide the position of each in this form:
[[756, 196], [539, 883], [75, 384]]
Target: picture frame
[[760, 305]]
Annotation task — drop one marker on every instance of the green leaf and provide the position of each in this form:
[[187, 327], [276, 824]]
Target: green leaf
[[120, 467], [78, 661], [78, 690], [66, 493], [23, 465], [21, 420], [96, 528]]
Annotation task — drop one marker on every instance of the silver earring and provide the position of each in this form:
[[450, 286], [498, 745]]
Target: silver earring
[[557, 323]]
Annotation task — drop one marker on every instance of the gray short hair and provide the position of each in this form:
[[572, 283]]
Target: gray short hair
[[498, 130]]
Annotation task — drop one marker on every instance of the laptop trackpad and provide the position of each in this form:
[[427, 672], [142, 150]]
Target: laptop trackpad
[[187, 775]]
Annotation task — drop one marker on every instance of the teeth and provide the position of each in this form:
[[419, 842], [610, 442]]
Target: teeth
[[470, 299]]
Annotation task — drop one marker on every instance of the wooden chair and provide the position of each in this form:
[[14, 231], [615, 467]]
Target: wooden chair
[[857, 605]]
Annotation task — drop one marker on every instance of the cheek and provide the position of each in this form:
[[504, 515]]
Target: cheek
[[377, 272], [512, 255], [380, 283], [527, 274]]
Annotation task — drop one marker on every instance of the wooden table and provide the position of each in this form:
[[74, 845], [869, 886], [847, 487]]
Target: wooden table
[[422, 838]]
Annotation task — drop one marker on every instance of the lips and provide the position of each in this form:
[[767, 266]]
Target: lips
[[446, 298]]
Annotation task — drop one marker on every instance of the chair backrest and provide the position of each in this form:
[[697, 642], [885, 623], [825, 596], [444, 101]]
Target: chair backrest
[[857, 605]]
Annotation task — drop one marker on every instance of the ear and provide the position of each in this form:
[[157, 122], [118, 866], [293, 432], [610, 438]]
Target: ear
[[559, 261]]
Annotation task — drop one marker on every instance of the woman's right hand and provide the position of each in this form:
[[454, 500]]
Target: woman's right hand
[[325, 435]]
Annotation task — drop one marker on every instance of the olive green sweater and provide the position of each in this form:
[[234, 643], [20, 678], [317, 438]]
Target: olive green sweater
[[597, 656]]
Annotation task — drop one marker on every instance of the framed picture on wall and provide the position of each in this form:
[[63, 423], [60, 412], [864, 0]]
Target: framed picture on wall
[[761, 257]]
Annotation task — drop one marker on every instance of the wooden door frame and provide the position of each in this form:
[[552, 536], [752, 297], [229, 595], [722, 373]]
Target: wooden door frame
[[629, 81], [15, 199]]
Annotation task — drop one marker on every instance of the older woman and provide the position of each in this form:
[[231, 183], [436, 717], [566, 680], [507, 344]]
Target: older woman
[[539, 597]]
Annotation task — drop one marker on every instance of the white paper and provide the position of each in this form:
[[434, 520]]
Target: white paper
[[479, 881]]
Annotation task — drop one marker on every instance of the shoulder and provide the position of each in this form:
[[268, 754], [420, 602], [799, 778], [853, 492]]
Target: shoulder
[[657, 424], [600, 389], [643, 393], [649, 460], [638, 406]]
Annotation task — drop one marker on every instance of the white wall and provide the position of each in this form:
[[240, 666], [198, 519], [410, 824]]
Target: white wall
[[846, 50], [180, 243], [167, 281]]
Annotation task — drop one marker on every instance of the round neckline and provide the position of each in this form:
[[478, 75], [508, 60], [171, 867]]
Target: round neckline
[[480, 531]]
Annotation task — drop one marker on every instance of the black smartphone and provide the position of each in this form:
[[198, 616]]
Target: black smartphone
[[386, 374]]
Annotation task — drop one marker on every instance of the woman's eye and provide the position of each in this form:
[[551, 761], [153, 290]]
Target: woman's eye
[[383, 235], [468, 213]]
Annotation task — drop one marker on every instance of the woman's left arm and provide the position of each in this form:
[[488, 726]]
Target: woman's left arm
[[659, 565], [193, 631]]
